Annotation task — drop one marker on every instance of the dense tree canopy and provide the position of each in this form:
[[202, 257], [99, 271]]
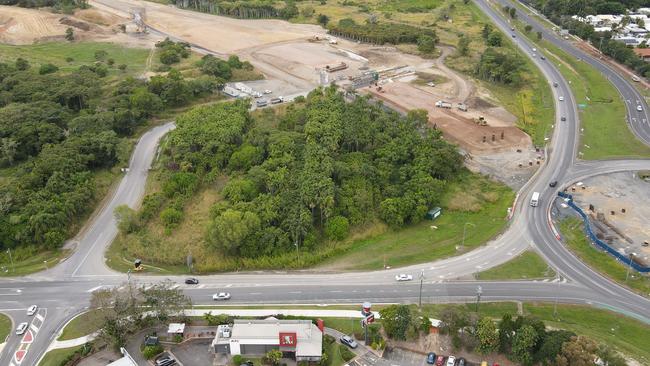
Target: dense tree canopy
[[329, 166], [56, 129], [383, 32]]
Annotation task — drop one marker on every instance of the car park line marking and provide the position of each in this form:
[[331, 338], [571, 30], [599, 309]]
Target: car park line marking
[[254, 293]]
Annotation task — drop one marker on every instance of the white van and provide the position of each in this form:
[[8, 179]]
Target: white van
[[534, 201]]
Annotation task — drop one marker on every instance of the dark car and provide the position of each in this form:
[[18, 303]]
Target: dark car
[[440, 361], [552, 184], [461, 362], [247, 363], [431, 358], [542, 57], [563, 118], [192, 281], [348, 341]]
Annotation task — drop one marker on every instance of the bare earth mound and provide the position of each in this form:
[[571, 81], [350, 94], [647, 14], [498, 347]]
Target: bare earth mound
[[25, 26]]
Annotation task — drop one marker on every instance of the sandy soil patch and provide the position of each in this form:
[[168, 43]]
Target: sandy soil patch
[[614, 192], [25, 26]]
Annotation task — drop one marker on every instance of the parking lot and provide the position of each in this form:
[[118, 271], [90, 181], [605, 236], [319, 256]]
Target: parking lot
[[194, 352]]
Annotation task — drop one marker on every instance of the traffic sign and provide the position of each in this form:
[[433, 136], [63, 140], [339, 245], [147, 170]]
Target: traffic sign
[[370, 318]]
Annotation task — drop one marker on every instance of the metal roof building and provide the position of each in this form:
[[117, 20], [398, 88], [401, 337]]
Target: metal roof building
[[298, 339]]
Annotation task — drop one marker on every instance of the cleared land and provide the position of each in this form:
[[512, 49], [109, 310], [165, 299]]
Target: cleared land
[[573, 231], [526, 266]]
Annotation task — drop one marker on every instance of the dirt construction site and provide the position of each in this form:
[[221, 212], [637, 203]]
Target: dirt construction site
[[295, 58], [621, 211]]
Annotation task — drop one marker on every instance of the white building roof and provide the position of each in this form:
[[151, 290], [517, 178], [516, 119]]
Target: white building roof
[[309, 339], [124, 361], [176, 328], [602, 29]]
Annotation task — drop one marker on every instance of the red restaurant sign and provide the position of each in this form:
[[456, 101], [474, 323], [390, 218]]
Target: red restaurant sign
[[288, 340]]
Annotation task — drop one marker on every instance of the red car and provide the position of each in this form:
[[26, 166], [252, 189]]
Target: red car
[[440, 361]]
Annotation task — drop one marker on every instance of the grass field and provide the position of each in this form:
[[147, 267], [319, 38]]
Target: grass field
[[5, 327], [474, 199], [528, 265], [30, 264], [82, 53], [58, 356], [82, 325], [576, 239]]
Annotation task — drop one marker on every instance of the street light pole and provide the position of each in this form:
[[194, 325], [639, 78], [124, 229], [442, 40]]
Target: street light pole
[[479, 291], [465, 231], [13, 268], [627, 274], [421, 281]]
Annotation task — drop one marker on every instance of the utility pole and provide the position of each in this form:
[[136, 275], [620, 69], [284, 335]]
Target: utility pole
[[465, 231], [559, 279], [479, 291], [421, 281], [13, 268]]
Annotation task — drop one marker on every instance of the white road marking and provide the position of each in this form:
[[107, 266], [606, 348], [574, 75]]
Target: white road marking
[[40, 317], [33, 327], [94, 289], [229, 285], [295, 292]]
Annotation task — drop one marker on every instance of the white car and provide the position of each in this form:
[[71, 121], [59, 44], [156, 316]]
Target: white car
[[561, 99], [639, 108], [267, 91], [32, 310], [451, 361], [221, 296], [403, 277], [22, 327]]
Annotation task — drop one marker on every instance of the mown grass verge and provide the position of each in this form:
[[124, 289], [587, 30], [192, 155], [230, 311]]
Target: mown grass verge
[[57, 357], [82, 325], [526, 266], [5, 327], [576, 240]]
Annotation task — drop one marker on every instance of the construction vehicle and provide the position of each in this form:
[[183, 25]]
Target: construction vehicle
[[481, 121], [462, 107], [339, 67], [277, 100], [443, 104]]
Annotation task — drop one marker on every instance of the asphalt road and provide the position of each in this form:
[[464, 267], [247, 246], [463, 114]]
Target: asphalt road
[[638, 121], [65, 290]]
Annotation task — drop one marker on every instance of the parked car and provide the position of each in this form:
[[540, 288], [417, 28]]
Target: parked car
[[32, 310], [552, 184], [348, 341], [555, 84], [247, 363], [22, 327], [461, 362], [431, 358], [403, 277], [192, 281], [440, 361], [451, 361], [267, 91], [163, 359], [221, 296]]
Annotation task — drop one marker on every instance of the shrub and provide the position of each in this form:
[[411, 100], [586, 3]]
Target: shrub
[[47, 69], [169, 57], [150, 352], [346, 354], [171, 217], [337, 228]]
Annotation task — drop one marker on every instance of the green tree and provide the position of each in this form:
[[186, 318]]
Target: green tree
[[495, 39], [232, 229], [507, 329], [528, 28], [323, 19], [578, 351], [308, 11], [47, 69], [396, 320], [487, 336], [22, 64], [169, 57], [69, 34], [523, 343], [273, 356], [100, 55], [539, 36], [512, 12], [426, 44], [487, 30], [552, 345], [171, 217], [127, 219]]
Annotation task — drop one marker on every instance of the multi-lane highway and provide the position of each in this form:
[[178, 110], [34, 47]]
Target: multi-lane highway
[[65, 290]]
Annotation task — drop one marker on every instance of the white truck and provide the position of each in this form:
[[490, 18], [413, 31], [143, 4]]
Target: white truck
[[443, 104], [534, 200]]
